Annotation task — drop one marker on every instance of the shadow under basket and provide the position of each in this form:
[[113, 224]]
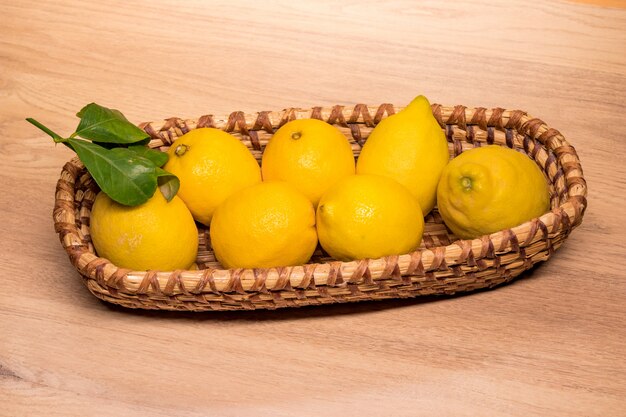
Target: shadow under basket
[[442, 265]]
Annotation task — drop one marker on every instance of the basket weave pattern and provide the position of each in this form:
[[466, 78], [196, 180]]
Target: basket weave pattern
[[442, 265]]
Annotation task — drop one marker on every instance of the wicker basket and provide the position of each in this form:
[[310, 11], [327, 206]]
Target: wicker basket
[[442, 265]]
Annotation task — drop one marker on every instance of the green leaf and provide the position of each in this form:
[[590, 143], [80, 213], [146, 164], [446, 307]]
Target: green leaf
[[168, 183], [124, 176], [157, 157], [102, 124]]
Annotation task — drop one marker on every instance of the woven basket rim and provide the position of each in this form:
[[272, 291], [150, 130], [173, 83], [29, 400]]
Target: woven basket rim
[[570, 212]]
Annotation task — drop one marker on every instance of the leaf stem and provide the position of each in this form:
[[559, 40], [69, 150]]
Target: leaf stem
[[57, 138]]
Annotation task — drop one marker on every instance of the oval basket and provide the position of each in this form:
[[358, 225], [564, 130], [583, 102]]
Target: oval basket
[[442, 265]]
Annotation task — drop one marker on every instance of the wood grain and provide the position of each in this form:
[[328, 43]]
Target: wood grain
[[551, 343]]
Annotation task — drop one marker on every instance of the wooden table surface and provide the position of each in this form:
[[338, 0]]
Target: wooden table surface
[[552, 343]]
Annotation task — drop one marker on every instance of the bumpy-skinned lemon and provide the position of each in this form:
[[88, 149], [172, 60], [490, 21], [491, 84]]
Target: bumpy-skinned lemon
[[368, 216], [409, 147], [309, 154], [491, 188], [154, 235], [211, 166], [266, 225]]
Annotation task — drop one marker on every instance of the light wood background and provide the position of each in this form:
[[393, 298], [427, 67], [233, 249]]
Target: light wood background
[[551, 343]]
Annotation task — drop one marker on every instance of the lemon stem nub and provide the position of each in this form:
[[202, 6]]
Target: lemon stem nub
[[181, 149], [296, 135], [466, 183]]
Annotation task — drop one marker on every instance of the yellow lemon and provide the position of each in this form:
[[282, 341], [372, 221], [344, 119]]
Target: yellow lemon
[[368, 216], [211, 165], [409, 147], [154, 235], [491, 188], [309, 154], [266, 225]]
